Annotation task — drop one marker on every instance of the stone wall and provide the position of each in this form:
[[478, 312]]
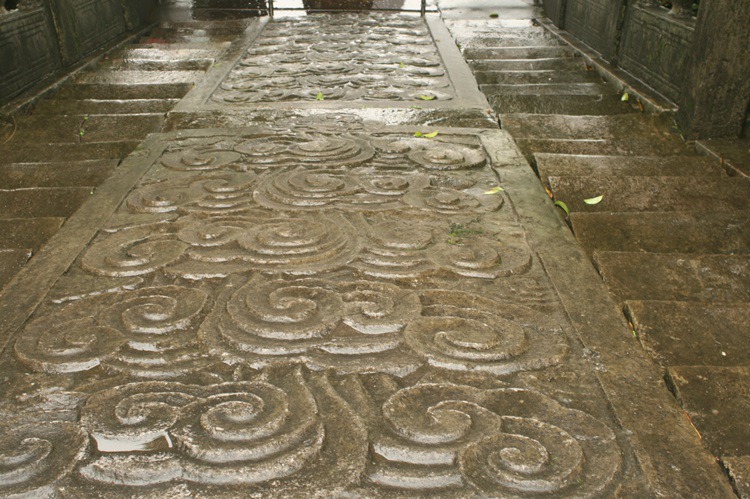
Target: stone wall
[[702, 66], [655, 48], [40, 39], [594, 22], [716, 94], [555, 11]]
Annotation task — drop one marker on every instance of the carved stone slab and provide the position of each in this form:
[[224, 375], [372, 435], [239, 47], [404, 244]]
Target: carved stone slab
[[277, 310], [347, 60]]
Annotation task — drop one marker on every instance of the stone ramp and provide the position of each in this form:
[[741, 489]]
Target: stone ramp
[[288, 295], [669, 236]]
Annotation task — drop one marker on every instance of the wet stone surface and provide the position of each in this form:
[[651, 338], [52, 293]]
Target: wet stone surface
[[347, 57], [287, 310]]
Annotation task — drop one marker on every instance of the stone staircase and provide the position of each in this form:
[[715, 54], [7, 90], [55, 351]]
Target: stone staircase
[[671, 235], [53, 158]]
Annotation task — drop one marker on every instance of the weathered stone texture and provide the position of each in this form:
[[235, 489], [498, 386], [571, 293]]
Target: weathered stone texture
[[655, 48], [595, 22], [715, 97], [347, 57], [333, 309]]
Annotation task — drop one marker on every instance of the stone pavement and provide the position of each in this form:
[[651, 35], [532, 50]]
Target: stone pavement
[[331, 274]]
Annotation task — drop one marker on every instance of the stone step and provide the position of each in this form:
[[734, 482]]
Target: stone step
[[534, 77], [11, 261], [195, 34], [138, 77], [62, 174], [547, 64], [664, 232], [41, 153], [632, 131], [670, 194], [183, 39], [716, 399], [517, 53], [562, 165], [679, 333], [633, 126], [734, 152], [558, 104], [214, 27], [471, 34], [42, 201], [681, 277], [96, 128], [133, 90], [552, 89], [213, 47], [535, 39], [31, 233], [131, 64], [489, 26], [599, 147], [104, 106], [166, 53]]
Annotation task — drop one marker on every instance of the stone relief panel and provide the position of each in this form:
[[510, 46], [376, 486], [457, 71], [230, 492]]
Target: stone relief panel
[[344, 58], [271, 310]]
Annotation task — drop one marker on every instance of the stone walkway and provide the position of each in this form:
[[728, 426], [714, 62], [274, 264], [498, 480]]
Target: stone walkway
[[332, 274]]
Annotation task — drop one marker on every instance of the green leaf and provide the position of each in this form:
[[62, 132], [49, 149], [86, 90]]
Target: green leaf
[[418, 134], [625, 97], [402, 65], [431, 135], [563, 206], [427, 97], [494, 190], [596, 200], [320, 96]]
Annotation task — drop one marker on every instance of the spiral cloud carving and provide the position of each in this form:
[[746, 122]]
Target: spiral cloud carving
[[34, 457], [228, 434], [502, 442], [149, 332]]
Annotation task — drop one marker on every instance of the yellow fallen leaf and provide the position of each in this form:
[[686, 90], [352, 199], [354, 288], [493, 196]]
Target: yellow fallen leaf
[[494, 190], [625, 97], [596, 200], [431, 134]]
